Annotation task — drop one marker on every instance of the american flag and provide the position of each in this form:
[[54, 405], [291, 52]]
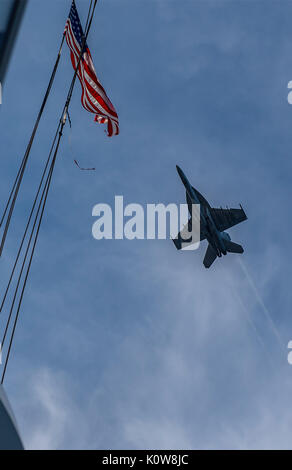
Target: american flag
[[94, 98]]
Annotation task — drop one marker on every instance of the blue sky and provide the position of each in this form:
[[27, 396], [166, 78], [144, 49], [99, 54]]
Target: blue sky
[[131, 344]]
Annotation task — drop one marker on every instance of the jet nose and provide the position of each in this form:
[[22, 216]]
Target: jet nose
[[181, 174]]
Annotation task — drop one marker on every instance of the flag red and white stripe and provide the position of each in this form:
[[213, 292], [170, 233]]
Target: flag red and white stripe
[[93, 98]]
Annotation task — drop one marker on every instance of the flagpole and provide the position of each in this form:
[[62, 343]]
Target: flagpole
[[15, 188], [42, 203]]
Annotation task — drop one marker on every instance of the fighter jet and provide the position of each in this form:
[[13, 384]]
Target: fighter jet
[[213, 223]]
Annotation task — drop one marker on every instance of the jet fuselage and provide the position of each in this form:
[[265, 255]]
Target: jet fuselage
[[207, 224]]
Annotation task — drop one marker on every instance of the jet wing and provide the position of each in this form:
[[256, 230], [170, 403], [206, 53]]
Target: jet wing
[[181, 237], [226, 218]]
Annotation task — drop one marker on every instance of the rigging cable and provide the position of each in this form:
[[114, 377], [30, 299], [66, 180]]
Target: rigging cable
[[41, 206], [15, 188]]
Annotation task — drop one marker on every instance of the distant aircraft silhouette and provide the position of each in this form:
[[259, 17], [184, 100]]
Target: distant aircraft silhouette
[[213, 222]]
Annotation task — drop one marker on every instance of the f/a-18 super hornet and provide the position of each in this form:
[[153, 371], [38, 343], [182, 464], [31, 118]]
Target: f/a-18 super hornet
[[213, 223]]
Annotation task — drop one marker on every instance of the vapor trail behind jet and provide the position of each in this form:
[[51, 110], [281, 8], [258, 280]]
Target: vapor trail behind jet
[[261, 303]]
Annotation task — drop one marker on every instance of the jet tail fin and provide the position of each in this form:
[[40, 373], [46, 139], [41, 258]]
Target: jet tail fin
[[232, 247], [210, 256]]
